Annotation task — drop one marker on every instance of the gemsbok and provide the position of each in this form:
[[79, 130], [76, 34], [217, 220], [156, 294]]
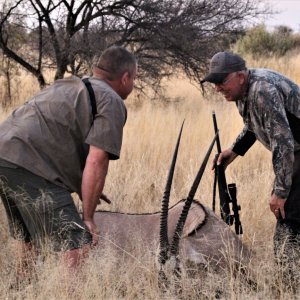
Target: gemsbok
[[188, 230]]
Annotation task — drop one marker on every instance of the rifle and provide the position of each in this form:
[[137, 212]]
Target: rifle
[[227, 193]]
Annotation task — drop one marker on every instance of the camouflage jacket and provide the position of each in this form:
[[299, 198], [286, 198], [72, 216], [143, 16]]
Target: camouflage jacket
[[271, 114]]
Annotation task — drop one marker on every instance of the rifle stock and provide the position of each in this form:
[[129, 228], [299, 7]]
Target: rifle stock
[[227, 193], [224, 195]]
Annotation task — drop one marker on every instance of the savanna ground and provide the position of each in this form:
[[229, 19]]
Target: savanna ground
[[135, 183]]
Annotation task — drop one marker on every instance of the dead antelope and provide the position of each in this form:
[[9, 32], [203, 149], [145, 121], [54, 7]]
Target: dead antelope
[[205, 239], [198, 235]]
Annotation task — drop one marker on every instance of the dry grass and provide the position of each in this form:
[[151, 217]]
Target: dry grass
[[135, 183]]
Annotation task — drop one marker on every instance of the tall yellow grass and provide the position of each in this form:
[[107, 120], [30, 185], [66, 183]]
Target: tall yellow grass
[[135, 183]]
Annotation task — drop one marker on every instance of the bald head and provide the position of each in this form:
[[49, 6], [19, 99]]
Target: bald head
[[115, 61]]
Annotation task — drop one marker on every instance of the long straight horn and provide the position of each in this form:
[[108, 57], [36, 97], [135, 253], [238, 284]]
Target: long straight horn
[[188, 202], [164, 243]]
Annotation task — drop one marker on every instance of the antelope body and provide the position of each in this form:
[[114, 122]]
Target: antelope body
[[205, 240], [187, 230]]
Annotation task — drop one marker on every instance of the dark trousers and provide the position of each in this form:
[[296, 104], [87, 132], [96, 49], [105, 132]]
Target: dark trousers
[[40, 211], [287, 233]]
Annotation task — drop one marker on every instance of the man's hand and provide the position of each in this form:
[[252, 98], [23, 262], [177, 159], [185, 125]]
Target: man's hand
[[277, 206], [93, 230], [226, 157]]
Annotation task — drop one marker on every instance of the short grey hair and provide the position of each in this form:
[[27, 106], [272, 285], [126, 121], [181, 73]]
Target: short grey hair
[[115, 61]]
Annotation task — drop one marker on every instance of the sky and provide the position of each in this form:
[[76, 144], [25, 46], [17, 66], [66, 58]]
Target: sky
[[289, 14]]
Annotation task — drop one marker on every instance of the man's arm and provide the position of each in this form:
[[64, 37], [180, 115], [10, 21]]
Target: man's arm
[[93, 180], [271, 106], [243, 142], [282, 147], [241, 145]]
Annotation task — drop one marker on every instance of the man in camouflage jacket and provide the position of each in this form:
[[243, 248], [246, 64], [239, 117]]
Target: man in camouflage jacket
[[269, 104]]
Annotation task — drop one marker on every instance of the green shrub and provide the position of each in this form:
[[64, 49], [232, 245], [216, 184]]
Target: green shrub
[[258, 41]]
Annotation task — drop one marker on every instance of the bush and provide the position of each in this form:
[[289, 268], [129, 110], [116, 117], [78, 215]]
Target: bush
[[258, 41]]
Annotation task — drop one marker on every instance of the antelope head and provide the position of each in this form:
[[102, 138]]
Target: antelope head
[[168, 250]]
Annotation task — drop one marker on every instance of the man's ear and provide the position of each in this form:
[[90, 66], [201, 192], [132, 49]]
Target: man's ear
[[242, 78], [124, 78]]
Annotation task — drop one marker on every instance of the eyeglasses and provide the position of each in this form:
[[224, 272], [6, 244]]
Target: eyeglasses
[[226, 80]]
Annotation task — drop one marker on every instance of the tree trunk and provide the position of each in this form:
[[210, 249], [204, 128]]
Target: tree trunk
[[7, 95]]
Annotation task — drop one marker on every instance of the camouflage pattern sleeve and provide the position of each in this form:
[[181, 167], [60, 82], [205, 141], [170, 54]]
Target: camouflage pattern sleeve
[[274, 131]]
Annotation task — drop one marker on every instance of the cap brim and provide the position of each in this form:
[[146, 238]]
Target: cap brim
[[217, 78]]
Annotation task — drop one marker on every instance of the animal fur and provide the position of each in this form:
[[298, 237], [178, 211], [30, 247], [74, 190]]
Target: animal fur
[[206, 239]]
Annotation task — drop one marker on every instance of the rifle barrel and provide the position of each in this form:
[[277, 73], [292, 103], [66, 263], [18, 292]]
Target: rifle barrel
[[216, 130], [227, 193]]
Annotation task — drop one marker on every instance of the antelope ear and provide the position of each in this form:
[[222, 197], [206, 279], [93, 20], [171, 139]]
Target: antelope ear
[[195, 219]]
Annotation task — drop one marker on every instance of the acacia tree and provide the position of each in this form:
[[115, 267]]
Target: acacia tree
[[164, 34], [9, 69]]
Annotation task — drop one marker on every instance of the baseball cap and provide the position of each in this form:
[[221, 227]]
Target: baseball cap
[[221, 64]]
